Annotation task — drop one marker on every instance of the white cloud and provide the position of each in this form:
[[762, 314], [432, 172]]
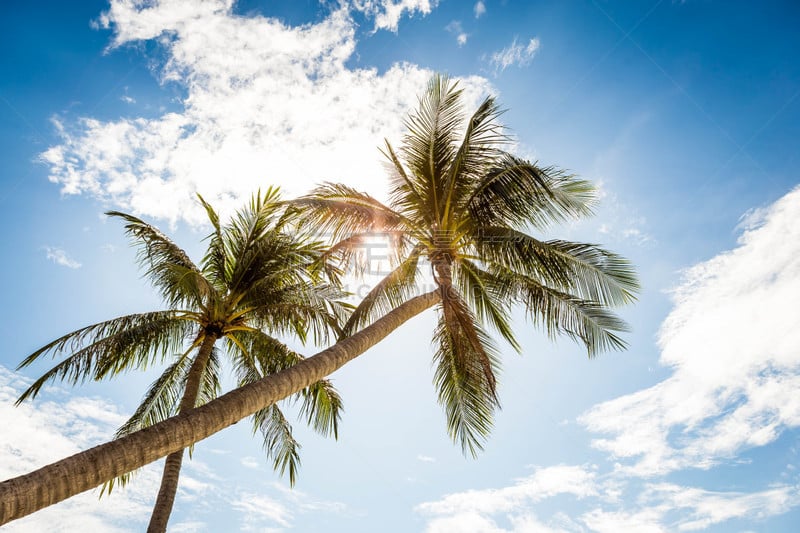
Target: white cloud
[[60, 257], [266, 103], [647, 508], [479, 9], [734, 348], [515, 54], [260, 510], [189, 526], [619, 222], [426, 459], [544, 483], [250, 462], [51, 427], [42, 431], [733, 344], [456, 29], [127, 99], [387, 13]]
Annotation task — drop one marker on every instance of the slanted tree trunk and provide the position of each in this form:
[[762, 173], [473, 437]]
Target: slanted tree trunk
[[58, 481], [172, 466]]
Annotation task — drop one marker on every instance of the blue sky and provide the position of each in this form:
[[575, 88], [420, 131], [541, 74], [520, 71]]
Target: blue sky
[[685, 114]]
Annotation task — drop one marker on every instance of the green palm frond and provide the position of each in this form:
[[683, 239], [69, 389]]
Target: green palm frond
[[518, 193], [478, 289], [119, 481], [264, 355], [479, 148], [162, 398], [341, 211], [109, 347], [322, 407], [299, 309], [465, 391], [253, 243], [159, 256], [210, 386], [391, 291], [430, 144], [586, 321], [215, 261], [405, 195], [256, 354], [279, 443], [588, 271]]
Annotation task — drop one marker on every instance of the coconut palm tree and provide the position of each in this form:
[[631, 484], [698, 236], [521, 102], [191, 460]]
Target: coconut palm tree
[[251, 284], [460, 203], [467, 208]]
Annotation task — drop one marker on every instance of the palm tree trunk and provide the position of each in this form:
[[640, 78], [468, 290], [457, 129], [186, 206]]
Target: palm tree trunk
[[26, 494], [172, 466]]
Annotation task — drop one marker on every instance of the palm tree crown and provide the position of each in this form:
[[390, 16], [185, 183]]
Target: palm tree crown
[[254, 282], [467, 207]]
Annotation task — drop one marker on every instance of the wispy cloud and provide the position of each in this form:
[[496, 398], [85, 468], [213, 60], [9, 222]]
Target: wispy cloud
[[260, 511], [648, 507], [426, 458], [515, 54], [542, 484], [60, 257], [387, 13], [265, 103], [734, 348], [56, 425], [456, 29], [50, 428], [250, 462], [479, 9]]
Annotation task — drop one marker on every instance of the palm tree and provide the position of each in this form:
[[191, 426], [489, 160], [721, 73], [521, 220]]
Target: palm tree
[[251, 283], [462, 204], [466, 206]]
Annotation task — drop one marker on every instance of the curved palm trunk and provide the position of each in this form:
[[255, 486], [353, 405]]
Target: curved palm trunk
[[58, 481], [172, 466]]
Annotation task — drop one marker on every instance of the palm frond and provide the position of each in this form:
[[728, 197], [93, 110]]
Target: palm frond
[[460, 377], [162, 398], [159, 256], [391, 291], [322, 407], [279, 443], [299, 309], [339, 211], [477, 152], [265, 355], [558, 312], [517, 192], [587, 270], [215, 261], [430, 144], [109, 347], [120, 481], [477, 288], [262, 355], [210, 386], [252, 238]]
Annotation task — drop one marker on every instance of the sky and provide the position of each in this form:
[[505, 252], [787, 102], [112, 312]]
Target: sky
[[685, 115]]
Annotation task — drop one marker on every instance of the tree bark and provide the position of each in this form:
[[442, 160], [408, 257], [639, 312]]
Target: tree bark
[[53, 483], [172, 466]]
